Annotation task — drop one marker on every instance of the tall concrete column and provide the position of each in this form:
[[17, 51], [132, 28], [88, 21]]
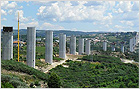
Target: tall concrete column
[[49, 47], [134, 41], [113, 46], [81, 46], [62, 46], [104, 45], [31, 46], [7, 43], [73, 45], [0, 41], [87, 50], [131, 45], [137, 37], [122, 47]]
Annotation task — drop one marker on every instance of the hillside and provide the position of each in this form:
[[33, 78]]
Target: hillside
[[21, 75], [102, 72], [56, 32], [94, 71]]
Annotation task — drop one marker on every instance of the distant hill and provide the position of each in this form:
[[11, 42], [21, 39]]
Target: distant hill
[[56, 32]]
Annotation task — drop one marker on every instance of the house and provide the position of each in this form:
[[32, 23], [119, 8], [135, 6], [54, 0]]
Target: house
[[21, 43], [38, 39]]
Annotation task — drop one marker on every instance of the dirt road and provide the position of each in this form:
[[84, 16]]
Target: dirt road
[[68, 57], [130, 61]]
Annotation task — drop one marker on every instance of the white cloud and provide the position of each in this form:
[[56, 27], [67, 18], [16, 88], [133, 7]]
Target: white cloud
[[66, 12], [10, 12], [130, 15], [3, 19], [94, 23], [125, 6], [74, 29], [11, 5], [107, 25], [7, 5], [120, 11], [111, 3], [109, 17], [121, 30], [119, 27], [30, 24], [48, 26], [28, 4], [3, 12], [129, 23], [135, 5], [21, 17], [4, 3], [110, 30], [82, 2], [40, 10], [21, 7]]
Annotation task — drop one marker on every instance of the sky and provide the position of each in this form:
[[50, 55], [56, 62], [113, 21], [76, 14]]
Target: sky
[[87, 16]]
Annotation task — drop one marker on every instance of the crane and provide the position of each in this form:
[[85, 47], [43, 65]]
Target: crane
[[18, 36]]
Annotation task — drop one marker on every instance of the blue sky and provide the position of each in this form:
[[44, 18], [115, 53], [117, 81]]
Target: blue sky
[[114, 16]]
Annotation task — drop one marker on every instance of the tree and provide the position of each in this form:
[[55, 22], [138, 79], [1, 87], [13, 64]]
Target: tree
[[54, 81]]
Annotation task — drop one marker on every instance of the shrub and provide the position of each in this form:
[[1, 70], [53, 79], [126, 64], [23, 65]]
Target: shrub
[[6, 85], [5, 78], [54, 81], [34, 76], [37, 83], [58, 59], [17, 83], [20, 67]]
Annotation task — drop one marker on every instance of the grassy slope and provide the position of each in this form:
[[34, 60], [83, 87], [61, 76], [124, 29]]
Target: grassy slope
[[40, 50]]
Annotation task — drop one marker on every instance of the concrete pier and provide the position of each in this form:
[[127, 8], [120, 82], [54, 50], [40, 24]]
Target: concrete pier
[[137, 38], [62, 46], [122, 47], [131, 45], [0, 44], [87, 50], [81, 46], [31, 46], [49, 47], [105, 46], [113, 46], [134, 41], [73, 45], [7, 43]]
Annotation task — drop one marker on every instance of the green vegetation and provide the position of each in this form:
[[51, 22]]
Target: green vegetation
[[101, 58], [57, 59], [20, 67], [9, 81], [6, 85], [37, 83], [54, 81], [40, 50], [40, 63], [94, 71], [55, 50], [132, 56], [112, 38], [103, 72]]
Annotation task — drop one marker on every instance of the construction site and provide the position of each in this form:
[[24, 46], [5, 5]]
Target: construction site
[[45, 60], [52, 58]]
